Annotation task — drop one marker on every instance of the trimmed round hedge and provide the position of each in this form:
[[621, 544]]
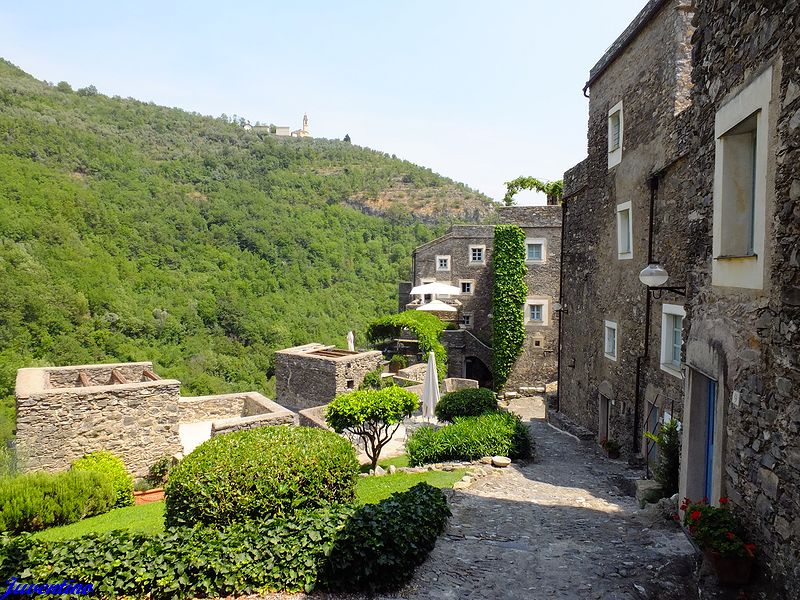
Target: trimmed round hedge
[[466, 403], [112, 467], [260, 473]]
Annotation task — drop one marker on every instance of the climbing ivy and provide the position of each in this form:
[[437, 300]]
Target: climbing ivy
[[428, 328], [508, 297], [553, 189]]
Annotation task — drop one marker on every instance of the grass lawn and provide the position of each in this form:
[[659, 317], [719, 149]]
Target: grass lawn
[[145, 518], [149, 518]]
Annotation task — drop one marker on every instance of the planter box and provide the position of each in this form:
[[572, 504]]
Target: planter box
[[730, 570], [148, 496]]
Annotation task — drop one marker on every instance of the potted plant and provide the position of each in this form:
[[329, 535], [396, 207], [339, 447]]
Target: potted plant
[[611, 447], [397, 362], [719, 536]]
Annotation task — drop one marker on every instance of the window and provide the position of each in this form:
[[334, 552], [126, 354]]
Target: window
[[467, 286], [476, 254], [537, 343], [671, 330], [740, 187], [616, 130], [443, 263], [610, 340], [624, 231], [535, 250], [465, 320], [537, 311]]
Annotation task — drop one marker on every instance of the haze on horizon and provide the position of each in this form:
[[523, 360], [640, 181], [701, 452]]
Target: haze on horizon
[[478, 92]]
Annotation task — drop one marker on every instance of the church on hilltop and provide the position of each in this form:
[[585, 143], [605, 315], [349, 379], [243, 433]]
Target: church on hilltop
[[280, 130]]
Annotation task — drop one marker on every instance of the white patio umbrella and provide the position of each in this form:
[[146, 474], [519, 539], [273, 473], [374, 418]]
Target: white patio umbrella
[[430, 389], [435, 288], [351, 341], [437, 306]]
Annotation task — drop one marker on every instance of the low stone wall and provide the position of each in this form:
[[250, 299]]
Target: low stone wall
[[208, 408], [136, 421]]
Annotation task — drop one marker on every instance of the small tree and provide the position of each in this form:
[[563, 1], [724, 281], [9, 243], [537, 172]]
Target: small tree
[[373, 415], [347, 137], [667, 471]]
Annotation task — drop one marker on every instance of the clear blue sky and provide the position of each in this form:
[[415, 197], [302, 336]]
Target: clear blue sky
[[478, 91]]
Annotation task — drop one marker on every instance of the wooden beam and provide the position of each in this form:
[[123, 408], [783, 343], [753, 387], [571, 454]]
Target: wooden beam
[[84, 379], [150, 375], [117, 376]]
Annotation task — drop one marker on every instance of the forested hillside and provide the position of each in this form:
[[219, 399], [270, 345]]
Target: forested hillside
[[130, 231]]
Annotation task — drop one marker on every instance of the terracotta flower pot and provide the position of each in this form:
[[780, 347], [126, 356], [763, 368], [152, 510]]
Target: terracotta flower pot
[[148, 496], [730, 570]]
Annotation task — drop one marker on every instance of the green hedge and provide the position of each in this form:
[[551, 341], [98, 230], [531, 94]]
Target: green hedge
[[340, 547], [258, 473], [428, 328], [508, 297], [469, 438], [35, 501], [383, 543], [466, 403], [114, 469]]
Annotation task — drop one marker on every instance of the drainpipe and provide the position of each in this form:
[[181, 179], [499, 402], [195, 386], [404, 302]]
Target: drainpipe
[[635, 441], [561, 304]]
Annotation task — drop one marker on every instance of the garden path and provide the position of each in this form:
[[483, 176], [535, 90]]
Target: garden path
[[559, 527]]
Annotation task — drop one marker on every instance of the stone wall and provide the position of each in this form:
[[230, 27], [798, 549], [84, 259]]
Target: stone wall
[[136, 421], [749, 340], [304, 379], [598, 285]]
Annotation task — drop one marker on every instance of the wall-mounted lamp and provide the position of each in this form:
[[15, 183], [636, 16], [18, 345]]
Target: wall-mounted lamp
[[557, 307], [654, 276]]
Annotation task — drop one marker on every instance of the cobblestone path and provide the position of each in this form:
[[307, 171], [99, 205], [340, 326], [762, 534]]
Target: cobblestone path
[[555, 528]]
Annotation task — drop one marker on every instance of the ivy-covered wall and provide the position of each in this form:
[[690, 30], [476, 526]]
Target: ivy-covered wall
[[508, 296]]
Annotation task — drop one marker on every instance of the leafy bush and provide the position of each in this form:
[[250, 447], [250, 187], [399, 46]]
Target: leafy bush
[[338, 546], [667, 471], [260, 473], [428, 328], [159, 470], [470, 438], [374, 381], [383, 543], [113, 468], [36, 501], [397, 362], [466, 403], [373, 415], [508, 297]]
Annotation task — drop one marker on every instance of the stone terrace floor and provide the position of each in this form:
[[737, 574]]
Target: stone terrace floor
[[558, 527]]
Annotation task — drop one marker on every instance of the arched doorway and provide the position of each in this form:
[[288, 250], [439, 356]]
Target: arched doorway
[[475, 368]]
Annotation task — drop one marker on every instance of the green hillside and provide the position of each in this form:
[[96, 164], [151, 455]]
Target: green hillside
[[130, 231]]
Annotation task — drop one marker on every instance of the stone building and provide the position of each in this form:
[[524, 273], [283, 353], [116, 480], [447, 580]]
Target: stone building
[[620, 370], [66, 412], [742, 342], [462, 258], [313, 374]]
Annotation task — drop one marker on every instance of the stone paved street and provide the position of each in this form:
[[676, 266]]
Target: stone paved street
[[559, 527]]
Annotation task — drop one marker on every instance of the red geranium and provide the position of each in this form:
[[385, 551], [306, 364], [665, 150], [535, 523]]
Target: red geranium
[[723, 500], [695, 515]]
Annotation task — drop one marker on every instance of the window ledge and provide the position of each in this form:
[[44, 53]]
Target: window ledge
[[610, 357], [672, 370], [534, 262], [745, 257], [625, 256]]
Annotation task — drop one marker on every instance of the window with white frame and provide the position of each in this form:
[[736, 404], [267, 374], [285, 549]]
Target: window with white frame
[[740, 186], [610, 339], [465, 320], [616, 130], [426, 297], [467, 286], [624, 231], [477, 254], [443, 263], [535, 250], [671, 331], [537, 311]]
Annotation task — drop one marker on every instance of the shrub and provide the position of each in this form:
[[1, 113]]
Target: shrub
[[667, 471], [508, 297], [36, 501], [374, 381], [260, 473], [466, 403], [470, 438], [383, 543], [339, 546], [373, 415], [159, 470], [113, 468], [398, 362]]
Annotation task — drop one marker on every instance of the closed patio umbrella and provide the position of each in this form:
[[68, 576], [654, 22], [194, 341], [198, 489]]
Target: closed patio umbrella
[[430, 389]]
